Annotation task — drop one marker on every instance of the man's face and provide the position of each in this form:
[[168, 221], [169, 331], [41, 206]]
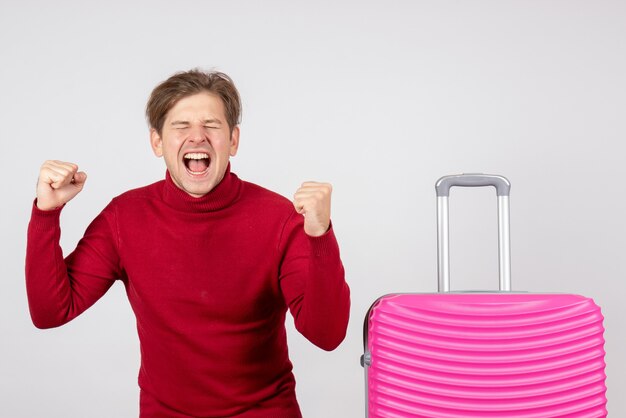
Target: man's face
[[196, 143]]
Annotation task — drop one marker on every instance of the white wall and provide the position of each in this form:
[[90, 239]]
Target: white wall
[[379, 98]]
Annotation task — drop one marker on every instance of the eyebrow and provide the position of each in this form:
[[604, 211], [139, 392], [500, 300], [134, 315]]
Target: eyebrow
[[187, 123]]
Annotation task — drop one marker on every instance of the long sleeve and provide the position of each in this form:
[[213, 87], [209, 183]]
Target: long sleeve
[[61, 289], [312, 281]]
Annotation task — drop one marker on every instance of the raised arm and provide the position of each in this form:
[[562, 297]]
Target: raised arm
[[312, 276], [60, 289]]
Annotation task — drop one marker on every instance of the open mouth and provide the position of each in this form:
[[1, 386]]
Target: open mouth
[[197, 163]]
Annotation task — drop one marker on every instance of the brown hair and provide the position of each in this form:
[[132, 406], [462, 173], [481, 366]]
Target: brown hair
[[187, 83]]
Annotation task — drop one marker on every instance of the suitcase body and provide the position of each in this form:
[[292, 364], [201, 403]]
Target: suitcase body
[[483, 354]]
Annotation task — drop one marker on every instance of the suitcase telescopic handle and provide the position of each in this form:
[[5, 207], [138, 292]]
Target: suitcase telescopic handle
[[503, 187]]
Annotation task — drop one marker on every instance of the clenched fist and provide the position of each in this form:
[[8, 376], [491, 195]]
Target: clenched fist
[[58, 183], [312, 200]]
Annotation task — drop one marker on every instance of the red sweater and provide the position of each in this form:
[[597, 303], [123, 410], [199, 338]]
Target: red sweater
[[209, 280]]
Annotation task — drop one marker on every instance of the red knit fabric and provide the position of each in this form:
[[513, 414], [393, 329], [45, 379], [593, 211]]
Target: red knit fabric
[[209, 280]]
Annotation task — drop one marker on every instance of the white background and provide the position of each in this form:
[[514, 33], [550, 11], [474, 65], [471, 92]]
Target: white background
[[379, 98]]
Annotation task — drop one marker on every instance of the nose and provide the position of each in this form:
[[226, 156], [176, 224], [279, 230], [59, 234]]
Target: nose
[[197, 134]]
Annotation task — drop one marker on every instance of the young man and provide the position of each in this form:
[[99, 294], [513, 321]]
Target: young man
[[210, 263]]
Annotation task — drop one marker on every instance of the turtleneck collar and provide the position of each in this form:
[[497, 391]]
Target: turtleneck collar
[[222, 195]]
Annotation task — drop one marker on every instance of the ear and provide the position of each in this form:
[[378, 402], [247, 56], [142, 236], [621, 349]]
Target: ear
[[234, 141], [156, 142]]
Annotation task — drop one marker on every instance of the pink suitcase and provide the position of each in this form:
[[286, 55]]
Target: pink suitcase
[[483, 354]]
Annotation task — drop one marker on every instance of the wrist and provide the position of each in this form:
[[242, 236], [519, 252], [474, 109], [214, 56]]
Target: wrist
[[316, 231], [46, 207]]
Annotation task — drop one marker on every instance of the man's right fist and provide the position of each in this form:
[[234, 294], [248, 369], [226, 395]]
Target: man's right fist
[[58, 183]]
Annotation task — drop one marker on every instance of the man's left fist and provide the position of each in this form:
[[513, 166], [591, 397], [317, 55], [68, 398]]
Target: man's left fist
[[312, 200]]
